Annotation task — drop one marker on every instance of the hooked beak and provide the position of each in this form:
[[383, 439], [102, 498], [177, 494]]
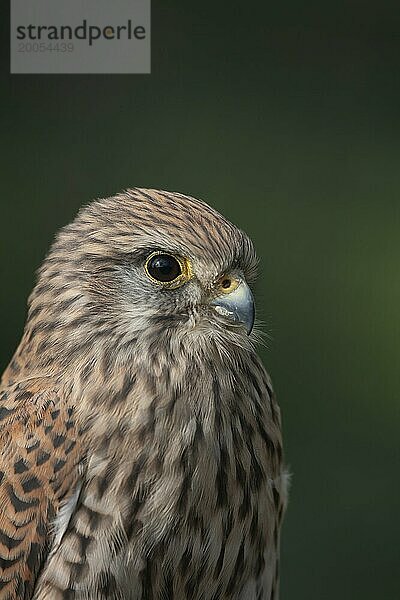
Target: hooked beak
[[237, 305]]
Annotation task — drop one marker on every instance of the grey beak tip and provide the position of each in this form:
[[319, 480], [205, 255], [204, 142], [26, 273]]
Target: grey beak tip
[[238, 306]]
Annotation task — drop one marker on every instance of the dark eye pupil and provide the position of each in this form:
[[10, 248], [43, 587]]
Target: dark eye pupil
[[164, 267]]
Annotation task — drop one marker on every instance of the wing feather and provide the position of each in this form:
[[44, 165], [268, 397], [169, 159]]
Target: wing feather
[[38, 470]]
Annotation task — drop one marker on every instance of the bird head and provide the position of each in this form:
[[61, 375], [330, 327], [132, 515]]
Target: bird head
[[141, 266]]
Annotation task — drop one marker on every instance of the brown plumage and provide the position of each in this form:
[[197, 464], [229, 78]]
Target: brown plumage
[[141, 440]]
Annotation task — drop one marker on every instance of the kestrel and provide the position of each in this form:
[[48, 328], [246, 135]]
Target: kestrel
[[141, 451]]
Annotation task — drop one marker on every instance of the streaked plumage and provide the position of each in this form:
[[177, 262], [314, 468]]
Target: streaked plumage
[[141, 440]]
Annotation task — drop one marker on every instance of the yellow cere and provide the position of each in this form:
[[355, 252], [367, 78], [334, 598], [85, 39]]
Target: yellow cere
[[228, 284]]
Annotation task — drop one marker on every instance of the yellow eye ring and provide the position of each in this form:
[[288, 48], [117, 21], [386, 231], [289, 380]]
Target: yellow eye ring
[[167, 270]]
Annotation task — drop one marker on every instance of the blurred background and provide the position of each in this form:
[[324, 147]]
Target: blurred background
[[286, 118]]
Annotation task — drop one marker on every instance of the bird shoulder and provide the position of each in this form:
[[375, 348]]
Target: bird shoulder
[[38, 472]]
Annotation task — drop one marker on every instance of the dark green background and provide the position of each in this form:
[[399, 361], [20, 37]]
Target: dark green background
[[285, 118]]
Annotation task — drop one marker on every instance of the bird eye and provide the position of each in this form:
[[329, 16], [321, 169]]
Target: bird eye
[[163, 267]]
